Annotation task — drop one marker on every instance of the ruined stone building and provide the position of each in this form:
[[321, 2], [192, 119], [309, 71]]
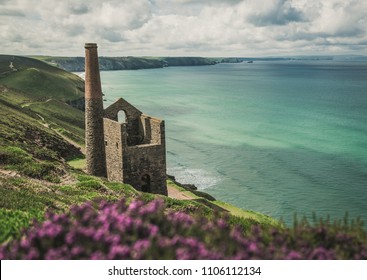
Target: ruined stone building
[[132, 152]]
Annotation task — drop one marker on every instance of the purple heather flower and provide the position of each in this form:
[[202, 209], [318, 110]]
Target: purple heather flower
[[153, 229], [99, 235], [25, 243], [112, 239], [118, 252], [222, 224], [103, 204], [32, 254], [175, 240], [321, 253], [85, 232], [134, 205], [56, 254], [252, 247], [256, 230], [125, 221], [183, 254], [190, 241], [203, 252], [293, 255], [97, 255], [237, 235], [342, 237], [143, 230], [181, 218], [77, 250], [164, 242], [70, 237], [151, 208], [2, 252], [139, 248]]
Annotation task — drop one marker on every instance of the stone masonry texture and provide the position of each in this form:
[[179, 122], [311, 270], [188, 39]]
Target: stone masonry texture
[[135, 150]]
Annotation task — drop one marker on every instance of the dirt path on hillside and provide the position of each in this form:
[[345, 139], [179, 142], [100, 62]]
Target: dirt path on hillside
[[32, 103], [174, 193], [81, 148], [64, 179], [47, 125]]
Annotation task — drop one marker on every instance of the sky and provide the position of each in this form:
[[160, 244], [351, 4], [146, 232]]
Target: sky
[[237, 28]]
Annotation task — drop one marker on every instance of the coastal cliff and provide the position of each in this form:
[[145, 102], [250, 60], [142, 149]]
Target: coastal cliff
[[76, 64]]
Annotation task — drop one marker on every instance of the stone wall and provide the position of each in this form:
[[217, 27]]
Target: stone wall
[[145, 168], [115, 141], [134, 126], [94, 138], [142, 163], [153, 129]]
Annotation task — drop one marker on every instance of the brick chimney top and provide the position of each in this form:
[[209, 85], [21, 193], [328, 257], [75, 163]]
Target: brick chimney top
[[90, 45], [92, 77]]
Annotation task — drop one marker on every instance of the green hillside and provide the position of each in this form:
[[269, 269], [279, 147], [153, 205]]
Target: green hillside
[[39, 79], [40, 133], [43, 92]]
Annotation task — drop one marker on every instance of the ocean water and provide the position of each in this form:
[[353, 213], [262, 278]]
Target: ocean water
[[278, 137]]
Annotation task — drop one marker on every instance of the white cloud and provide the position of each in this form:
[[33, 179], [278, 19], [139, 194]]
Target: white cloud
[[184, 27], [273, 12]]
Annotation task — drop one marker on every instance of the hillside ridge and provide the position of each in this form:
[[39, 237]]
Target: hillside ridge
[[76, 64]]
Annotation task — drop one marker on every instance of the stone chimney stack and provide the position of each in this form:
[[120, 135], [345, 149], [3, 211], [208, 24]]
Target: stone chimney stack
[[94, 133]]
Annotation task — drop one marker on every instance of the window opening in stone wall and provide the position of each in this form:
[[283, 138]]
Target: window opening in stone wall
[[145, 183], [121, 117]]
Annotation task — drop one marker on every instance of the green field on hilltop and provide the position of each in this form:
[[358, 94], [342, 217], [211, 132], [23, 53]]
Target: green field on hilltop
[[39, 79]]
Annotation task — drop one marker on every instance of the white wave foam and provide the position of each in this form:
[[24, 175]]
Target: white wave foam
[[199, 177]]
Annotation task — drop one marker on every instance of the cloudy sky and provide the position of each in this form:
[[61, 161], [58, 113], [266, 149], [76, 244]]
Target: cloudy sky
[[184, 27]]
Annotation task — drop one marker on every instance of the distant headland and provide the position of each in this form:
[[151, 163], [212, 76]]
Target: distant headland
[[76, 64]]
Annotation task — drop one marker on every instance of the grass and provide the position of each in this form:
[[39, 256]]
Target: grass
[[16, 159], [247, 214], [231, 209], [34, 122], [20, 127], [40, 79], [78, 163], [22, 200], [63, 118]]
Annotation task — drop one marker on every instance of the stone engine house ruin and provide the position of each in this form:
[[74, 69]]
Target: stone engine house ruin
[[133, 152]]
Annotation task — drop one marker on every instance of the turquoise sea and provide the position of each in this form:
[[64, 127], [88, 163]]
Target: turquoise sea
[[278, 137]]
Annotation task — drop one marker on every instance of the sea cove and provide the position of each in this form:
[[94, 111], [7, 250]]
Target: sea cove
[[278, 137]]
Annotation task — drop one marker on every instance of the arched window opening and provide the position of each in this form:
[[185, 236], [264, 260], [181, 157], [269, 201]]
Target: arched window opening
[[145, 183], [121, 117]]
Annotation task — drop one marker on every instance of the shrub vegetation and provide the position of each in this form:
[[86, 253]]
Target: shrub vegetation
[[146, 230]]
